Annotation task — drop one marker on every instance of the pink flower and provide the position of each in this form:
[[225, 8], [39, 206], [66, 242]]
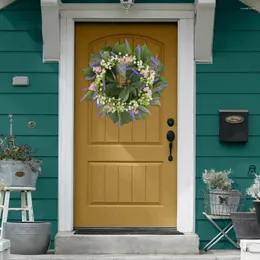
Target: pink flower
[[149, 92], [128, 59], [97, 69], [146, 89], [135, 111], [145, 74], [92, 86]]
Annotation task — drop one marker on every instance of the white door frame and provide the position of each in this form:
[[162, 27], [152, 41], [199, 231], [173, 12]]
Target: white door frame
[[184, 16]]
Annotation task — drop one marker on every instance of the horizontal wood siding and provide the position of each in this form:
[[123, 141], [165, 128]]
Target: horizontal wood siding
[[21, 55], [116, 1], [231, 82]]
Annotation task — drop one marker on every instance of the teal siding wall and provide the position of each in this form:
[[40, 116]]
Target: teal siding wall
[[231, 82], [21, 54]]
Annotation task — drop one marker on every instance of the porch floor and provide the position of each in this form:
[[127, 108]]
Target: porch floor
[[210, 255]]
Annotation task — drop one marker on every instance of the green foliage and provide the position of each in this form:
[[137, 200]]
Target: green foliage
[[89, 95], [125, 118], [122, 48], [129, 78], [9, 150], [94, 58], [88, 72]]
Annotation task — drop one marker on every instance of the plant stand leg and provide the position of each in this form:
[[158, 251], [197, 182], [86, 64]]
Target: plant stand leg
[[1, 203], [23, 206], [217, 238], [6, 209], [30, 206]]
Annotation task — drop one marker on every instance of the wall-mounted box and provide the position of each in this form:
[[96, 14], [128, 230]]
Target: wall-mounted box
[[233, 126], [20, 81]]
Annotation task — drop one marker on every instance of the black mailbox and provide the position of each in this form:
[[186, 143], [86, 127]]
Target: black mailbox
[[233, 126]]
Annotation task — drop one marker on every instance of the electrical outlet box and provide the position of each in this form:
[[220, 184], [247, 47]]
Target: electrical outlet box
[[21, 81]]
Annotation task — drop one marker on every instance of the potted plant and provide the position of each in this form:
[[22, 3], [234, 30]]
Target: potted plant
[[245, 223], [18, 167], [221, 198], [254, 192]]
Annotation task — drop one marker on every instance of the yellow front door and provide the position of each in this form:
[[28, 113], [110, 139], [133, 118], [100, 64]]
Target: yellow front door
[[122, 175]]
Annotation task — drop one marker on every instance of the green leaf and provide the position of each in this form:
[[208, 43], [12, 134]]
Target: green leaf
[[125, 118], [156, 95], [160, 69], [88, 72], [94, 58], [135, 78], [121, 48], [156, 102], [110, 77], [143, 115], [106, 48], [121, 72], [112, 90], [124, 99], [114, 117], [89, 95], [145, 52], [144, 109]]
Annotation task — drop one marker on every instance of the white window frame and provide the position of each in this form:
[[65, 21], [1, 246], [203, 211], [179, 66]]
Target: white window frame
[[183, 14]]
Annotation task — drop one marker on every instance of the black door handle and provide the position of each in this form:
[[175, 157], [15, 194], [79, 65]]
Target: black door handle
[[170, 137]]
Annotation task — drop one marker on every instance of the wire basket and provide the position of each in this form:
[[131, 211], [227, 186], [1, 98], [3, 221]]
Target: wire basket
[[222, 203]]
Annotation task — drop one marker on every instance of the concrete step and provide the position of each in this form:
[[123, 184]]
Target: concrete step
[[211, 255], [69, 243]]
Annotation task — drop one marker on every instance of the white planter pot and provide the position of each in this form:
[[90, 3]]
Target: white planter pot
[[18, 174], [250, 249], [222, 203]]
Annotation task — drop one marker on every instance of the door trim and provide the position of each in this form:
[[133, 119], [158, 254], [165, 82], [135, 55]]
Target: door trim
[[185, 125]]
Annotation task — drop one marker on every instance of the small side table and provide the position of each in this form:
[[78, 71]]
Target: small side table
[[26, 203], [222, 232]]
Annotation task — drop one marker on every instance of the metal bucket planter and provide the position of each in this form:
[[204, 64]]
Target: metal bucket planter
[[222, 203], [18, 173], [245, 225], [28, 238]]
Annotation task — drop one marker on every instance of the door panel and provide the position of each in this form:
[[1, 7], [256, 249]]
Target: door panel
[[122, 174]]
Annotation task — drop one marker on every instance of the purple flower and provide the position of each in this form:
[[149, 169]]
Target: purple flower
[[94, 95], [82, 99], [90, 78], [131, 113], [94, 64], [127, 44], [84, 89], [161, 87], [102, 54], [113, 53], [139, 49], [134, 71]]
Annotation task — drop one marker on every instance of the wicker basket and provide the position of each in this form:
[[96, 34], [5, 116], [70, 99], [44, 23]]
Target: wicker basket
[[222, 203]]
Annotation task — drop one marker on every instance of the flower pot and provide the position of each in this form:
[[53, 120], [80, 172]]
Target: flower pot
[[222, 203], [245, 225], [257, 210], [28, 238], [18, 173]]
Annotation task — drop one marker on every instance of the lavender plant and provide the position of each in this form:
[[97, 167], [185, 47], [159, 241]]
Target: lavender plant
[[218, 180]]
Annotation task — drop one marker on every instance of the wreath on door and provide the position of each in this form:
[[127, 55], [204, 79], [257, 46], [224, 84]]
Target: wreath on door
[[124, 82]]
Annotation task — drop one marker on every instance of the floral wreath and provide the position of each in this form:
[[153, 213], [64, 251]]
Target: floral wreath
[[142, 84]]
